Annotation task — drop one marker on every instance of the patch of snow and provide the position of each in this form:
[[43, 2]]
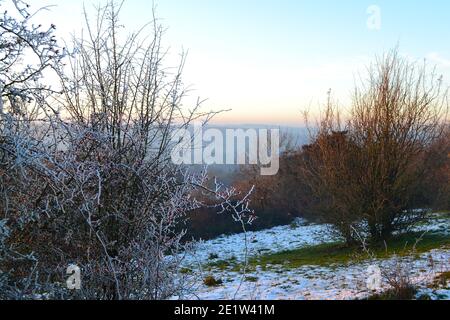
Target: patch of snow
[[278, 239], [434, 294]]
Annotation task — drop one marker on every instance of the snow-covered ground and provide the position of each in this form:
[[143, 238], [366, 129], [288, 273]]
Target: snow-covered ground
[[266, 241], [275, 282]]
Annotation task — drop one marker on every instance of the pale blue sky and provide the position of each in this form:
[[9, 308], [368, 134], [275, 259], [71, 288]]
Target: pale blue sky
[[269, 59]]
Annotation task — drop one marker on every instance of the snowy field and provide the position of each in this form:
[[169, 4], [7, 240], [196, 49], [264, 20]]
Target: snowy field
[[266, 241], [345, 281]]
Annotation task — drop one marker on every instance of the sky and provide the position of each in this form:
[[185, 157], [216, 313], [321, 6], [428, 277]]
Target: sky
[[269, 60]]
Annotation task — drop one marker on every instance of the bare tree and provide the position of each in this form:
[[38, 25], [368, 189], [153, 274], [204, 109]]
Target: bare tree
[[400, 113], [327, 170], [365, 170]]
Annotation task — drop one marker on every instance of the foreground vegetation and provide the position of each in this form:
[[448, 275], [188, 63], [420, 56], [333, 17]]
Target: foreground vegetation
[[86, 177], [410, 292]]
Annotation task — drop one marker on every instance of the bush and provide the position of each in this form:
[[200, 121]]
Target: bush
[[210, 281], [365, 172], [97, 188]]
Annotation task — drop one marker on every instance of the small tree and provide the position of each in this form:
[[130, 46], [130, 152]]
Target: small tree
[[366, 172], [329, 169], [394, 119]]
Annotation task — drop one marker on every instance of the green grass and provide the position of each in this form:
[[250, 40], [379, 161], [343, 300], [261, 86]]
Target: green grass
[[316, 255], [230, 264], [339, 253], [251, 279], [221, 264], [185, 271]]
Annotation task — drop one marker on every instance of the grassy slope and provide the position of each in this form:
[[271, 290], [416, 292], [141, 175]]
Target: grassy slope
[[338, 253]]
